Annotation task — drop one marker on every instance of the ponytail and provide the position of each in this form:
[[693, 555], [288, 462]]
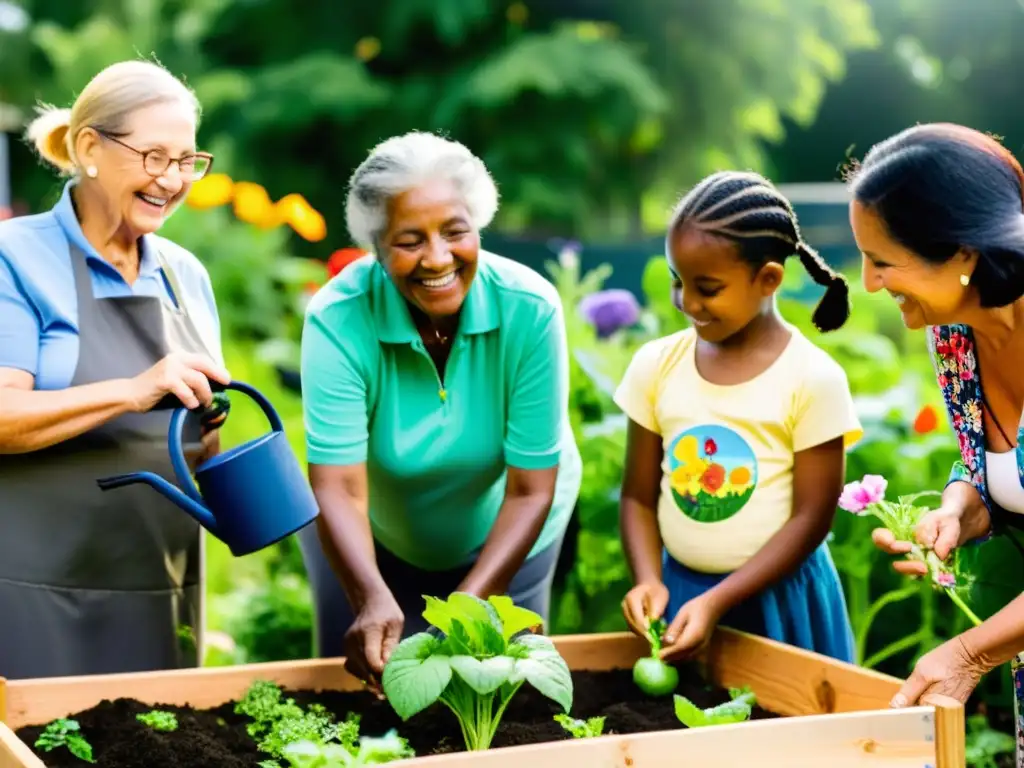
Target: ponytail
[[49, 134], [833, 309]]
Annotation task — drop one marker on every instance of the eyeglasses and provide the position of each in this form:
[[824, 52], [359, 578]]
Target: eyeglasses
[[156, 161]]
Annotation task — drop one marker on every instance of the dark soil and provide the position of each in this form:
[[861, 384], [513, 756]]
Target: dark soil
[[217, 738]]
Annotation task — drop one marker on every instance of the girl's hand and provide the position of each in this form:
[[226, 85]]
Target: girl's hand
[[950, 670], [691, 629], [643, 603]]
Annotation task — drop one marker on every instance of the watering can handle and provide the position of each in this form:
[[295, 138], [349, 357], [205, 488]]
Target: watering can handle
[[174, 435]]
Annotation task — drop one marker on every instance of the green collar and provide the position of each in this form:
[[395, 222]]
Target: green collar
[[394, 320]]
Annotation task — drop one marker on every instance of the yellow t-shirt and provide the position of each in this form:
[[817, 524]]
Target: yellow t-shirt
[[727, 472]]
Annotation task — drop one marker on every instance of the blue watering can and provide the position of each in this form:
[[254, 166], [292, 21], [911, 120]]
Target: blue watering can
[[249, 497]]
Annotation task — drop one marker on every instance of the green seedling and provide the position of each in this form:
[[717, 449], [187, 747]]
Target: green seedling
[[736, 710], [159, 720], [65, 733], [581, 729], [652, 675]]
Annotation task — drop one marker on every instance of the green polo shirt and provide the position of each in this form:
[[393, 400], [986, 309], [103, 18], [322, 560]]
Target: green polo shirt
[[436, 452]]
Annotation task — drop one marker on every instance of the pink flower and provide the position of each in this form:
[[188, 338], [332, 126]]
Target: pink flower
[[945, 579], [859, 495]]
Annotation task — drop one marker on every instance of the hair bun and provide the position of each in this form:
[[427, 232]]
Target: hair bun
[[48, 133]]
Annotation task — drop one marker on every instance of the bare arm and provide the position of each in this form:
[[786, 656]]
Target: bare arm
[[344, 525], [638, 517], [818, 474], [31, 420], [998, 639], [528, 497]]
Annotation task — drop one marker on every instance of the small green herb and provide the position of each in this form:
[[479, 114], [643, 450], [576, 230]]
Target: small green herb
[[65, 733], [736, 710], [159, 720], [652, 675], [476, 669], [371, 751], [581, 729]]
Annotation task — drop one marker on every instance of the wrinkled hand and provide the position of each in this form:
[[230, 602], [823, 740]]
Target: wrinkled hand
[[949, 670], [371, 638], [691, 629], [185, 376], [643, 603], [939, 530]]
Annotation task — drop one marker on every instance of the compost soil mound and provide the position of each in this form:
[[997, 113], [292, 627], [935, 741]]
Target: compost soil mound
[[216, 738]]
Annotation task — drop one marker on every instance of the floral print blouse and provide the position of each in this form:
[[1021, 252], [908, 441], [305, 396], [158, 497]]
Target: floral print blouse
[[952, 348]]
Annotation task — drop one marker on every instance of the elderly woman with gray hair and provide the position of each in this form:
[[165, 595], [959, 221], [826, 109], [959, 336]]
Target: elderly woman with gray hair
[[435, 388]]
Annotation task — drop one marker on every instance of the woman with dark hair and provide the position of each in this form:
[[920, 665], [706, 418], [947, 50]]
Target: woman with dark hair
[[938, 212]]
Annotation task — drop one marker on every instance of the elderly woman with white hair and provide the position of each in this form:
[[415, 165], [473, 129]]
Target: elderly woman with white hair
[[435, 388]]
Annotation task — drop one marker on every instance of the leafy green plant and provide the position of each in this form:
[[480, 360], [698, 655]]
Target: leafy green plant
[[476, 668], [67, 733], [159, 720], [984, 744], [278, 722], [371, 751], [736, 710], [652, 675], [581, 729]]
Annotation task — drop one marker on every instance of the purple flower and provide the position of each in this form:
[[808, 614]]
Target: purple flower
[[945, 579], [610, 310]]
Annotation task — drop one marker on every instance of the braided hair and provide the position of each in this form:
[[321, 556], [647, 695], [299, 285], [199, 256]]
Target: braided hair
[[747, 209]]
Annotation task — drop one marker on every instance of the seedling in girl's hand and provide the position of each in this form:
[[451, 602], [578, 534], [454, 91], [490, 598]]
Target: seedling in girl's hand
[[735, 711], [65, 733], [652, 675], [581, 729]]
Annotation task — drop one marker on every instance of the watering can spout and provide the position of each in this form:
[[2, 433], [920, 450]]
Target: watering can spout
[[200, 513]]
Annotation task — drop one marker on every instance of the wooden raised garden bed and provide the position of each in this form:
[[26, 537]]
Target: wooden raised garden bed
[[811, 711]]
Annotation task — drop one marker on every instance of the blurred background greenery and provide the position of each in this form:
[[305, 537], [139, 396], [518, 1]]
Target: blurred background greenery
[[593, 116]]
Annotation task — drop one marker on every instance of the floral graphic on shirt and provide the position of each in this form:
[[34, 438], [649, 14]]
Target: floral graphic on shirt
[[712, 472]]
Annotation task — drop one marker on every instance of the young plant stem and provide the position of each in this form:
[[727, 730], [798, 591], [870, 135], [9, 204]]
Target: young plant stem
[[475, 712], [868, 617], [959, 602]]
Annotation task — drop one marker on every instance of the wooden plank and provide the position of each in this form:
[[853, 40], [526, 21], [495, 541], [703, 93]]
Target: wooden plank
[[951, 731], [14, 753], [791, 681], [884, 739], [37, 701]]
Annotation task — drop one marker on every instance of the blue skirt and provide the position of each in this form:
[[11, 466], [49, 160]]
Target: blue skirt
[[807, 609]]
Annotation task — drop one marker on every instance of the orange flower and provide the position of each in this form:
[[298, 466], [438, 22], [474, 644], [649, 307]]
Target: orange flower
[[308, 223], [252, 205], [739, 476], [927, 420], [211, 191], [713, 478]]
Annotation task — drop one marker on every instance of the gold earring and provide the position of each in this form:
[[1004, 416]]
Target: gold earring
[[965, 280], [91, 172]]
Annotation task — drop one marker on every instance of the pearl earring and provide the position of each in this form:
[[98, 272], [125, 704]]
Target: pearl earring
[[91, 172], [965, 280]]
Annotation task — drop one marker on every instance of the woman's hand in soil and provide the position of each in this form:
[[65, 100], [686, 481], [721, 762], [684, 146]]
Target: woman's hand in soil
[[952, 670], [691, 629], [644, 603], [371, 638]]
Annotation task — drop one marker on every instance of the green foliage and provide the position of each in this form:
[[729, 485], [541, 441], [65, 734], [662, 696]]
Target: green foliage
[[66, 733], [736, 710], [277, 722], [370, 751], [581, 729], [483, 659], [984, 745], [159, 720]]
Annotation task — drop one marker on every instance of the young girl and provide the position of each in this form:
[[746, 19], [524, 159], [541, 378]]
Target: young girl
[[738, 428]]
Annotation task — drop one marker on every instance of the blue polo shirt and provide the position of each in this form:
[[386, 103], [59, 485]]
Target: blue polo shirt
[[39, 305], [437, 452]]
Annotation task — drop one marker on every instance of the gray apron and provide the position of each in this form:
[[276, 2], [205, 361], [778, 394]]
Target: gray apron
[[91, 581]]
